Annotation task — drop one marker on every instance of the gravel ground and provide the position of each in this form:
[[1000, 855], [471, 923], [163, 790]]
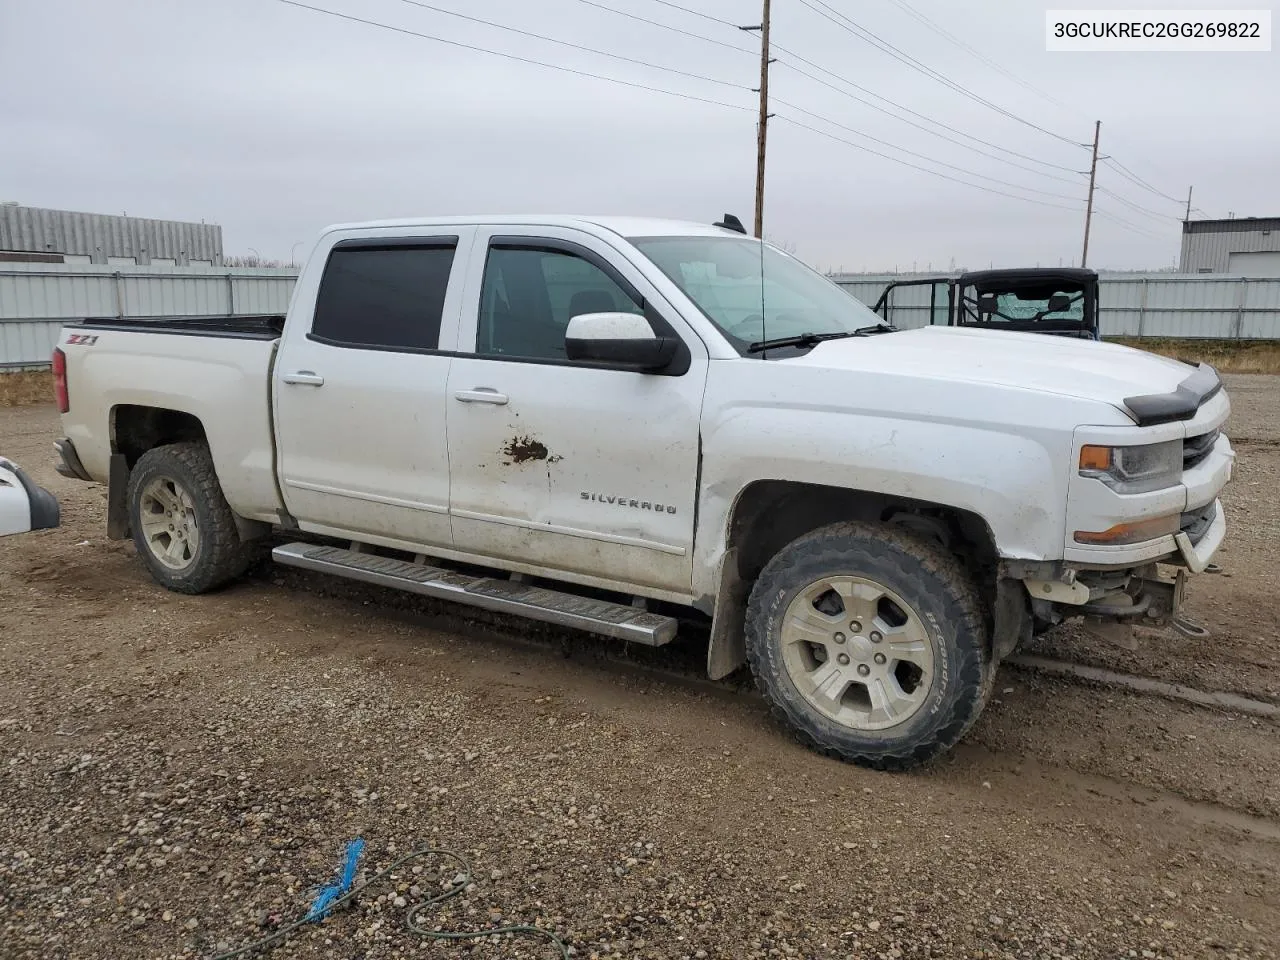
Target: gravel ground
[[177, 774]]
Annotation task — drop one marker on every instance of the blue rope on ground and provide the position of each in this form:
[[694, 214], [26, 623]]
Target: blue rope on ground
[[343, 890], [326, 897]]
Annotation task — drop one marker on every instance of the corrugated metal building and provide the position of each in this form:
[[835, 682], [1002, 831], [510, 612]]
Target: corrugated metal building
[[1248, 247], [34, 234], [36, 299]]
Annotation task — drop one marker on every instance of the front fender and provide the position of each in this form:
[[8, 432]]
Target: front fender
[[1013, 477]]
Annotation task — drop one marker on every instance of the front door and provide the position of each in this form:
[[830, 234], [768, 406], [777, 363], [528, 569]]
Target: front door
[[588, 472], [360, 396]]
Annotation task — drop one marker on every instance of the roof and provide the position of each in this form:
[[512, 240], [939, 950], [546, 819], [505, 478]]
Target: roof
[[11, 205], [1235, 225], [623, 226], [1073, 274]]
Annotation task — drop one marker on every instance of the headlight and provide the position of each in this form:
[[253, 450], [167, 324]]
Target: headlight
[[1152, 466]]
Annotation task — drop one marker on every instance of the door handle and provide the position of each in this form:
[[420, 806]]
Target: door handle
[[308, 377], [482, 395]]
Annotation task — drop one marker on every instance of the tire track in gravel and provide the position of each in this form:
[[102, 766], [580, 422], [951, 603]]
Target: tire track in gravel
[[1069, 725]]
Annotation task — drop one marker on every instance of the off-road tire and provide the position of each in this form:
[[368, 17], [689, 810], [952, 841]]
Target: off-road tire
[[924, 576], [221, 556]]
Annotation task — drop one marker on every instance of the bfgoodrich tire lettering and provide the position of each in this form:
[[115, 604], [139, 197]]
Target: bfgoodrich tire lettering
[[921, 590], [179, 479]]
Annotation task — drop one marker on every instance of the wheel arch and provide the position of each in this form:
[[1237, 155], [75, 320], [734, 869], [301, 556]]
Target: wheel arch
[[136, 429], [766, 515]]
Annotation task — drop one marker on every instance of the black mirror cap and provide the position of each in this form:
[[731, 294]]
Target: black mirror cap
[[647, 356]]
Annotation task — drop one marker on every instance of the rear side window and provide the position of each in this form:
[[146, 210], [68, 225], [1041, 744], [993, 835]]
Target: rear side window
[[387, 297]]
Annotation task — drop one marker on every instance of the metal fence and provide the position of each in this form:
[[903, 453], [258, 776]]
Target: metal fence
[[36, 299], [1130, 305]]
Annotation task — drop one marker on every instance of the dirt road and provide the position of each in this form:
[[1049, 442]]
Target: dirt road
[[178, 773]]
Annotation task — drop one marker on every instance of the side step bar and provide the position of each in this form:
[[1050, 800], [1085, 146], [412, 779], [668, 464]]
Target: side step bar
[[489, 593]]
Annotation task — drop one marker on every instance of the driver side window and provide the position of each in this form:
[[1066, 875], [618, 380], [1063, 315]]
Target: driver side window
[[529, 295]]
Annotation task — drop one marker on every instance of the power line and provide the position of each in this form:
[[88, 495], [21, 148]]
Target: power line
[[1137, 207], [938, 29], [874, 106], [574, 46], [667, 26], [1001, 69], [920, 156], [697, 13], [845, 93], [850, 26], [905, 109], [698, 99], [1134, 178], [511, 56], [930, 130], [1131, 227], [906, 163]]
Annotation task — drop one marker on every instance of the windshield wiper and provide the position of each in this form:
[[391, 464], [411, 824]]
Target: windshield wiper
[[813, 339]]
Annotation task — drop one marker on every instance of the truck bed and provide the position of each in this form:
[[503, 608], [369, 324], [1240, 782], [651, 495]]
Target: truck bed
[[216, 370], [266, 326]]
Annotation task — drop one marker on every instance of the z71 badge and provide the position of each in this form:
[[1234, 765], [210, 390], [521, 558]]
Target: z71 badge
[[88, 339]]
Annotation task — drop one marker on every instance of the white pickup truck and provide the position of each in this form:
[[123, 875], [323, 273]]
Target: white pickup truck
[[623, 424]]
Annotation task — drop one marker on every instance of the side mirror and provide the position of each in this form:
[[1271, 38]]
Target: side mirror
[[619, 339], [1059, 303], [987, 303]]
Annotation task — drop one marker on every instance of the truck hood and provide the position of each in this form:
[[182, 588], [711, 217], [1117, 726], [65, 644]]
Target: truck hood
[[1084, 369]]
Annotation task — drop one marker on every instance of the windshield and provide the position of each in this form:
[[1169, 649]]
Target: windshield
[[1034, 306], [1054, 305], [722, 276]]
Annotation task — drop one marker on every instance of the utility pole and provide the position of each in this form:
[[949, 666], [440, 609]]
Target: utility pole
[[1187, 216], [762, 127], [1093, 175]]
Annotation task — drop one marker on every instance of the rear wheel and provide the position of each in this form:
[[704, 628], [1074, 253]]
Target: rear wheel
[[870, 643], [182, 526]]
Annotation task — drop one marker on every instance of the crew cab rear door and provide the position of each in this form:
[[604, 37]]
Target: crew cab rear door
[[359, 387], [587, 472]]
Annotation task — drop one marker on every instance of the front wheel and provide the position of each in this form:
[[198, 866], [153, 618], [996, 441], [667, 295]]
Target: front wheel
[[182, 526], [870, 643]]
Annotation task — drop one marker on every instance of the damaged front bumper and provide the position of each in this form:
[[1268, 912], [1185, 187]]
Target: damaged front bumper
[[1148, 594], [1200, 537]]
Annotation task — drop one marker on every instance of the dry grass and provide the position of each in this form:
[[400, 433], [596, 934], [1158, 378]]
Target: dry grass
[[26, 386], [1227, 356]]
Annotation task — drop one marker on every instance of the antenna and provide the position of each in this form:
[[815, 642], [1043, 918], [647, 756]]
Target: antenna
[[730, 222], [764, 330]]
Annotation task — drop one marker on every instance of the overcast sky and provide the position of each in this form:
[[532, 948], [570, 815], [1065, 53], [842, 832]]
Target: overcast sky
[[275, 121]]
